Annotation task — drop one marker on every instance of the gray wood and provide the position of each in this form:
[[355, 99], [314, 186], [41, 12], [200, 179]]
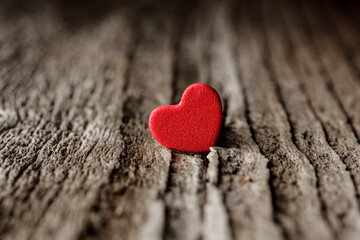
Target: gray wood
[[79, 80], [293, 179], [244, 178], [311, 140], [336, 66]]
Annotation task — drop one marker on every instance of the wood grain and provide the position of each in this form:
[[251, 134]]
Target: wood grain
[[79, 80]]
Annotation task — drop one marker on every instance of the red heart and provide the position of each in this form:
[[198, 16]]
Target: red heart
[[191, 126]]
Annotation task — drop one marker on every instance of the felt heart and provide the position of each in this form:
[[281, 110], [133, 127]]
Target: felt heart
[[191, 126]]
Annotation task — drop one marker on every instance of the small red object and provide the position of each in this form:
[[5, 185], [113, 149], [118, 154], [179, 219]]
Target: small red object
[[191, 126]]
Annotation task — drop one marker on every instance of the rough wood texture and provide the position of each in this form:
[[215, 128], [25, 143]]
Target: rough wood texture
[[78, 81]]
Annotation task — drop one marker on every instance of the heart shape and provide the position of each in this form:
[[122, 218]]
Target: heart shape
[[191, 126]]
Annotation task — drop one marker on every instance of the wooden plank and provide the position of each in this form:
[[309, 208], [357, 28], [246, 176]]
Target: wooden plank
[[334, 182], [292, 189], [27, 141], [87, 167], [71, 170], [341, 75], [186, 191], [193, 51], [144, 165], [243, 169], [216, 219], [340, 133]]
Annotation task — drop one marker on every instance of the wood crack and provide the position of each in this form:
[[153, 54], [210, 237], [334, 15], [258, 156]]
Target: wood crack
[[320, 154], [328, 112], [269, 166], [348, 159], [326, 68], [294, 141], [281, 100], [166, 227], [331, 89], [272, 131], [329, 142]]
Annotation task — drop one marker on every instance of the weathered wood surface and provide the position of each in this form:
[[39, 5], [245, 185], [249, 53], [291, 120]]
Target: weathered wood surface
[[78, 81]]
